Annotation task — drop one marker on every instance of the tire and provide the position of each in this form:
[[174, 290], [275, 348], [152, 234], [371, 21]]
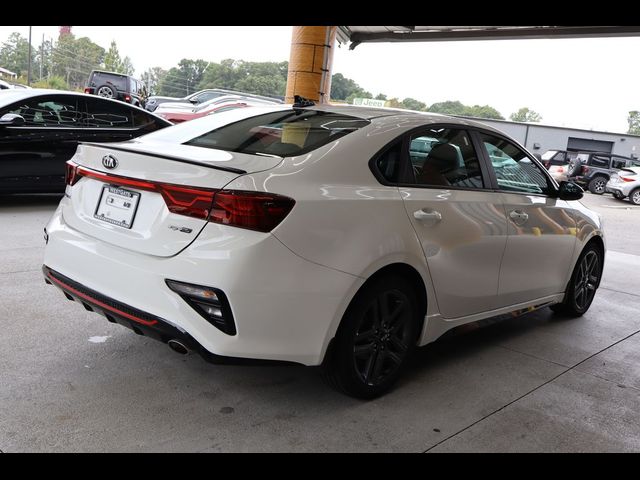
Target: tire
[[583, 284], [634, 197], [598, 184], [377, 336], [106, 91], [619, 196]]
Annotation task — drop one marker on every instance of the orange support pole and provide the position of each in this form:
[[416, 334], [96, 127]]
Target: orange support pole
[[310, 63]]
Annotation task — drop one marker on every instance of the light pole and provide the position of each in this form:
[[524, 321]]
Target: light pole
[[29, 61]]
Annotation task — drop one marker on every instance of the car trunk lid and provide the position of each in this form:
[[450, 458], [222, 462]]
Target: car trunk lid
[[151, 198]]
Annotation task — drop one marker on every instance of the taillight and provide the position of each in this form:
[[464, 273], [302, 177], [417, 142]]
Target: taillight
[[585, 170], [252, 210], [627, 179], [71, 173], [87, 89], [127, 98], [192, 202], [259, 211]]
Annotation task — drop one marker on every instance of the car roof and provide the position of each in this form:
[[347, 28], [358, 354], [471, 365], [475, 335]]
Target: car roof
[[15, 95]]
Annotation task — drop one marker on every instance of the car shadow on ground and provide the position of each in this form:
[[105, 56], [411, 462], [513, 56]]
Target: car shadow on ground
[[20, 199]]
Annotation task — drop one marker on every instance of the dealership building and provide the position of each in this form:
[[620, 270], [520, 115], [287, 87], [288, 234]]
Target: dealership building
[[539, 138]]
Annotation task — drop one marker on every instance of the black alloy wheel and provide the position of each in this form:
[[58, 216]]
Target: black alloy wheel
[[377, 336], [584, 283]]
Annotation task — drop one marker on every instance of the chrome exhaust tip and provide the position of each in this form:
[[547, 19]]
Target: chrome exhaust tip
[[178, 347]]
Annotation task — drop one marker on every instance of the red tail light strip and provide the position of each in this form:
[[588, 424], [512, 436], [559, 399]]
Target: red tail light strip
[[260, 211], [100, 304]]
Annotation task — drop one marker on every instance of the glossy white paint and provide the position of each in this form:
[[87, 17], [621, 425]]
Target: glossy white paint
[[289, 289]]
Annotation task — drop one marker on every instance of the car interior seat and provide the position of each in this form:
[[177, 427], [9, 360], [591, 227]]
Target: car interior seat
[[442, 159]]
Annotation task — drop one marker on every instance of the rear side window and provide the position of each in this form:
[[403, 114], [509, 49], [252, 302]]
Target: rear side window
[[107, 114], [51, 111], [599, 161], [284, 133], [388, 163]]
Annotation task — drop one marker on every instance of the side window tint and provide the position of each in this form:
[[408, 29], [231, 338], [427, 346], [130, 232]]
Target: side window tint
[[388, 164], [107, 114], [515, 171], [54, 111], [445, 157], [599, 161]]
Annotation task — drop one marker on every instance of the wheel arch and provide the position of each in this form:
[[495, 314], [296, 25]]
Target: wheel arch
[[402, 269]]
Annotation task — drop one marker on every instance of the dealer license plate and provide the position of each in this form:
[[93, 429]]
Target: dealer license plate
[[117, 206]]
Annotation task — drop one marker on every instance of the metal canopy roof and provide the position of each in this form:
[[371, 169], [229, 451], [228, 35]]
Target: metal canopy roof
[[362, 34]]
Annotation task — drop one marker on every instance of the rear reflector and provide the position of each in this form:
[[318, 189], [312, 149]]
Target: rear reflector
[[259, 211], [210, 303]]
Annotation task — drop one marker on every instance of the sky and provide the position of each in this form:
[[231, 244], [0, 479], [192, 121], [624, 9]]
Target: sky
[[581, 83]]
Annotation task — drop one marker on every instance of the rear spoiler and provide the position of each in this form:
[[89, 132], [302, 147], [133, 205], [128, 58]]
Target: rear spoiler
[[168, 157]]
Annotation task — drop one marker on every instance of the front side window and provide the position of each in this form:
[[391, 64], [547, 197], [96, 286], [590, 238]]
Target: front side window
[[515, 171], [285, 133], [53, 111], [444, 157]]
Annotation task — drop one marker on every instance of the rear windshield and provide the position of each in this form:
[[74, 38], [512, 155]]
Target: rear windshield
[[284, 133]]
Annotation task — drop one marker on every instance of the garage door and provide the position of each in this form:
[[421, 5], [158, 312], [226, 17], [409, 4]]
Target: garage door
[[588, 145]]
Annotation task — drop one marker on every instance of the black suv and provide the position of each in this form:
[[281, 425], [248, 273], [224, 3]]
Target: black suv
[[117, 86], [595, 169]]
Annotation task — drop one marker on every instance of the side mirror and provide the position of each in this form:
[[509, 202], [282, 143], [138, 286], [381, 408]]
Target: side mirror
[[570, 191], [194, 101], [11, 120]]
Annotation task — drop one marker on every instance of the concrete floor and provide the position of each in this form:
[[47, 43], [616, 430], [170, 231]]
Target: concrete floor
[[71, 381]]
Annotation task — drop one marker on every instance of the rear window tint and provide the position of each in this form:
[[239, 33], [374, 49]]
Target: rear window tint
[[284, 133]]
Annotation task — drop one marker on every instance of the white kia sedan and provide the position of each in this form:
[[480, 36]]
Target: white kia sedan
[[321, 235]]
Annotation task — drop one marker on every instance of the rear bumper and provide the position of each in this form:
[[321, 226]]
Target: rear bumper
[[285, 308], [142, 323]]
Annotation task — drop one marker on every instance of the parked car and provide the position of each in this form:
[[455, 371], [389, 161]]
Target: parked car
[[596, 169], [6, 85], [40, 130], [557, 157], [117, 86], [201, 97], [625, 184], [301, 233], [218, 105]]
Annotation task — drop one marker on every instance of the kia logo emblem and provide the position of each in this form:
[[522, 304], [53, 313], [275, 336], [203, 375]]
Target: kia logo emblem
[[109, 161]]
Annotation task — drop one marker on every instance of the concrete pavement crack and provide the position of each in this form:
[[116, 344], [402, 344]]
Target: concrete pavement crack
[[529, 392], [620, 291], [20, 271]]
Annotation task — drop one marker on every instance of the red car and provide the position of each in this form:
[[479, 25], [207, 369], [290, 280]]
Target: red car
[[184, 115]]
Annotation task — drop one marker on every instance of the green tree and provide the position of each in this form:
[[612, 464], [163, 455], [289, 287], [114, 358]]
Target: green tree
[[114, 63], [183, 79], [413, 104], [381, 96], [525, 115], [343, 88], [483, 111], [14, 54], [152, 78], [634, 122], [73, 59], [448, 108]]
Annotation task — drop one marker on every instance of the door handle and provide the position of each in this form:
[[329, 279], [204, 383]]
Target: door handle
[[518, 216], [427, 214]]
